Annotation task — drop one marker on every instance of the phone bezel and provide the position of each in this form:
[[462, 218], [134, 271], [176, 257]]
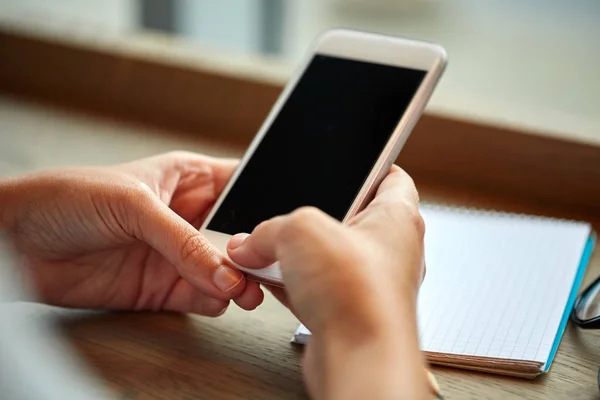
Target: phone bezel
[[359, 46]]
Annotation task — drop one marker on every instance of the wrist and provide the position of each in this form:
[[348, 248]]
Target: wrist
[[383, 361], [374, 311], [380, 369]]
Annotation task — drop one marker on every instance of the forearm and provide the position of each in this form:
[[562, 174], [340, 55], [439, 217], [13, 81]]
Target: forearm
[[387, 366]]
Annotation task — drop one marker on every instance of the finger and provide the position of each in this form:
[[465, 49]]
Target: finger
[[194, 257], [192, 205], [185, 298], [397, 187], [259, 249], [212, 172], [396, 203], [303, 232], [280, 295], [201, 180], [223, 169], [187, 162], [251, 297]]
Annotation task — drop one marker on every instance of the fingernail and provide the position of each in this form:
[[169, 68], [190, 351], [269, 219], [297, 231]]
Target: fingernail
[[226, 278], [237, 240]]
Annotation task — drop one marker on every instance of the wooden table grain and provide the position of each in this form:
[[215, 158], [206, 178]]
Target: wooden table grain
[[243, 355], [240, 355]]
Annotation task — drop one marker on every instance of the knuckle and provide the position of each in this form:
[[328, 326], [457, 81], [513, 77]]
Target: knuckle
[[126, 202], [420, 225], [181, 157], [301, 223], [406, 176], [134, 193], [176, 154], [302, 220], [410, 187], [405, 212], [262, 226], [138, 195], [142, 192], [306, 215], [194, 247], [409, 179], [416, 220]]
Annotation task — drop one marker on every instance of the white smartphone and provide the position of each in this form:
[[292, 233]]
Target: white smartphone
[[332, 135]]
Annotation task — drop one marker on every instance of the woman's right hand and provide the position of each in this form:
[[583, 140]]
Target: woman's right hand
[[355, 287]]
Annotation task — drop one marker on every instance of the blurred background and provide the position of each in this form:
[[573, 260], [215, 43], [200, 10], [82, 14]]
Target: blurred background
[[517, 110], [534, 63]]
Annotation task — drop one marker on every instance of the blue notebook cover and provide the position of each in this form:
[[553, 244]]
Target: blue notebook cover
[[585, 259]]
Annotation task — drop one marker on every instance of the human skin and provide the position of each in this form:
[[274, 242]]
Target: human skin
[[126, 237]]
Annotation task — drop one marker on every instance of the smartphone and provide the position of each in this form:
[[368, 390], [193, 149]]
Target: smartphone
[[332, 135]]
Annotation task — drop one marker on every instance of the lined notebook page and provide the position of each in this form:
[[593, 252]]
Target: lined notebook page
[[496, 284]]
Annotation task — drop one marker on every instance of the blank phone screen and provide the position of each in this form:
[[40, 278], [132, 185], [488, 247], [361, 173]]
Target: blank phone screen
[[323, 143]]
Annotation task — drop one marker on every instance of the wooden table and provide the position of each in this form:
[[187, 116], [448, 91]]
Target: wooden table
[[246, 354]]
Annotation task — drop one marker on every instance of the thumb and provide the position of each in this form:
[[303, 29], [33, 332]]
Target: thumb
[[196, 260]]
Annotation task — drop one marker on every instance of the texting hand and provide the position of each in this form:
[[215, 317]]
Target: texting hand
[[125, 237], [354, 286]]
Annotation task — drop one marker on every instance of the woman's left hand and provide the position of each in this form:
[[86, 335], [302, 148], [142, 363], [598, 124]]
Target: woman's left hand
[[126, 236]]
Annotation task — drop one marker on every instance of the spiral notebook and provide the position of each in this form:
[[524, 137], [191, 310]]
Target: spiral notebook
[[499, 289]]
